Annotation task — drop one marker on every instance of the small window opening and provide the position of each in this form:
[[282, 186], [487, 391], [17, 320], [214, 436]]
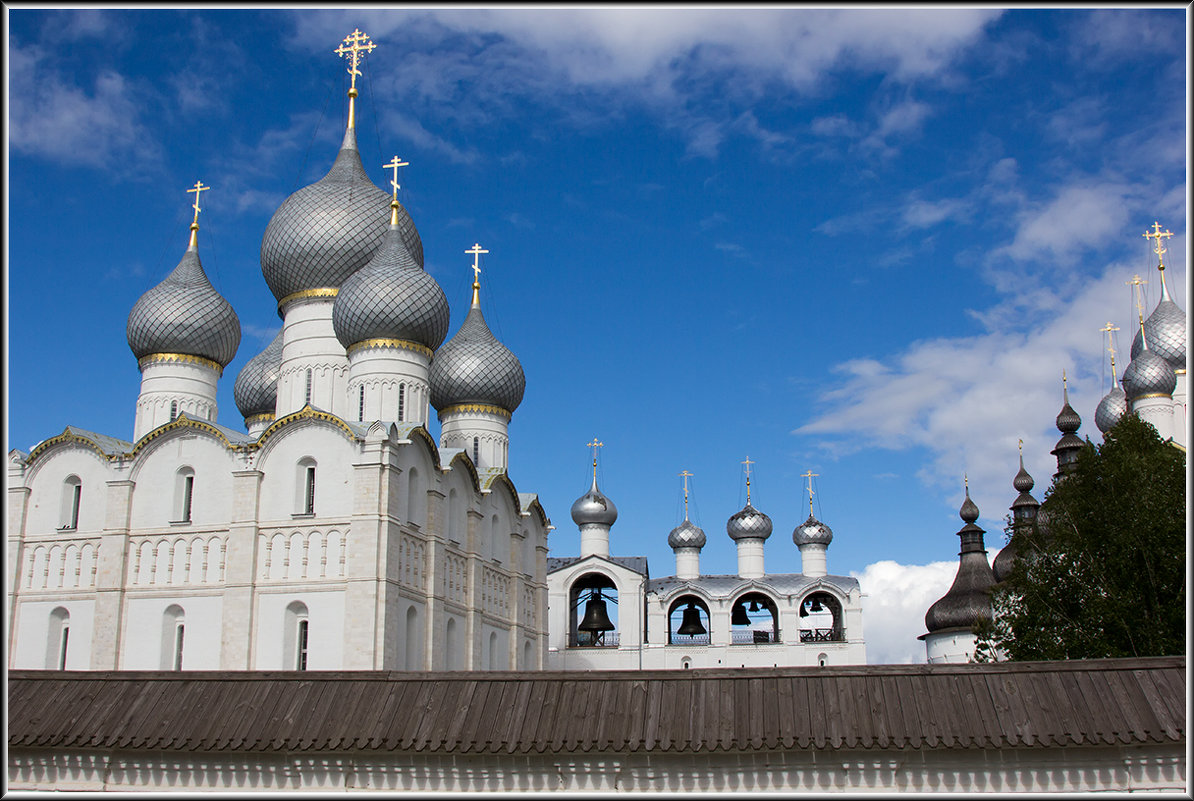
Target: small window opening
[[301, 656], [477, 451], [188, 489], [72, 494], [308, 394], [401, 402], [309, 504], [173, 410], [62, 646], [178, 635], [361, 405]]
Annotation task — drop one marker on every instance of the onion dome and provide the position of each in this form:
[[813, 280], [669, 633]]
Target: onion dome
[[325, 232], [686, 535], [473, 367], [968, 599], [1148, 374], [184, 314], [1111, 409], [749, 523], [1024, 512], [1165, 332], [391, 297], [812, 532], [256, 388], [1068, 421], [594, 507]]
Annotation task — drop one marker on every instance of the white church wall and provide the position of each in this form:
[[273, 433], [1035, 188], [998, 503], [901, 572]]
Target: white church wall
[[37, 641], [50, 499], [276, 629], [283, 460], [160, 474], [149, 632]]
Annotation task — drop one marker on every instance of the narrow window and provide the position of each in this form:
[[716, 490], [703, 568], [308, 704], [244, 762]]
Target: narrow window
[[173, 410], [178, 633], [401, 402], [72, 493], [59, 633], [477, 451], [188, 489], [62, 646], [361, 405], [308, 396], [309, 506], [301, 661]]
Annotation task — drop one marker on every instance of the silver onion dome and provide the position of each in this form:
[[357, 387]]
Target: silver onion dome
[[749, 523], [473, 367], [686, 535], [594, 507], [1111, 409], [325, 232], [256, 388], [812, 532], [1148, 374], [184, 314], [1165, 331], [391, 297]]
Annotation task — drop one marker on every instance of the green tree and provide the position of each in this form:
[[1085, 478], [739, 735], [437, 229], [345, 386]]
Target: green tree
[[1102, 574]]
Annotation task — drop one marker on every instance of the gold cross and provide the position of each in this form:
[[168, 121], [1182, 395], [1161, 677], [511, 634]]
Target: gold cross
[[686, 476], [595, 445], [810, 475], [748, 463], [1020, 445], [1107, 329], [199, 187], [395, 164], [355, 52], [1136, 283], [476, 252], [1158, 235]]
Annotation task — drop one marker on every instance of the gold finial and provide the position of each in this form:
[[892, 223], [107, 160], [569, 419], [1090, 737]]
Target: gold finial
[[1137, 295], [197, 188], [1108, 329], [595, 445], [748, 463], [476, 252], [1020, 446], [966, 483], [394, 164], [810, 475], [686, 476], [1158, 235], [356, 46]]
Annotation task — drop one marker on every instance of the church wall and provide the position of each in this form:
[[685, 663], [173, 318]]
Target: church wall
[[50, 498], [277, 620], [150, 631], [159, 475], [36, 640], [283, 461]]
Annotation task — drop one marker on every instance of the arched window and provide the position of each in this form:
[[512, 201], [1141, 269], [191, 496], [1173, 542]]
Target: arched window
[[754, 620], [451, 647], [493, 655], [401, 402], [173, 631], [56, 642], [361, 404], [184, 493], [821, 618], [415, 496], [296, 636], [477, 451], [305, 487], [528, 656], [307, 400], [452, 516], [173, 410], [72, 493], [822, 659], [414, 639], [593, 622]]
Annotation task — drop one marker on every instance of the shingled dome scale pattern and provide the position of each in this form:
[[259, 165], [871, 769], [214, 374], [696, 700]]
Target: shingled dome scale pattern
[[391, 297], [686, 535], [473, 367], [184, 314], [325, 232], [1111, 409], [749, 523], [256, 388], [1165, 329], [1149, 374]]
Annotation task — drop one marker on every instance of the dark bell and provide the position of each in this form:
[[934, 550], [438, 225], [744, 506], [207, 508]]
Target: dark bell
[[691, 624], [803, 611], [738, 616], [596, 618], [816, 607], [754, 605]]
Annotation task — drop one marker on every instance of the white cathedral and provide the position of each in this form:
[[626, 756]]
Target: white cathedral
[[335, 532]]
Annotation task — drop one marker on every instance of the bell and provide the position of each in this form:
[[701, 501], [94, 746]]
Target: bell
[[690, 624], [754, 605], [803, 611], [816, 607], [738, 616], [596, 618]]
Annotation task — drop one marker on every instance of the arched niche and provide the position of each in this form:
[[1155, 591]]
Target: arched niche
[[754, 619], [593, 596], [821, 618], [688, 608]]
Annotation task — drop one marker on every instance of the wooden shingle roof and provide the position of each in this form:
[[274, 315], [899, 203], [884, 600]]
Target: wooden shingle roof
[[1030, 704]]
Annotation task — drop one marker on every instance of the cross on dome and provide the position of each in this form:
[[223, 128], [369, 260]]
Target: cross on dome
[[1108, 329], [1136, 283], [748, 463], [356, 46], [1160, 250], [197, 188], [810, 475], [595, 445], [686, 475], [476, 252], [394, 164]]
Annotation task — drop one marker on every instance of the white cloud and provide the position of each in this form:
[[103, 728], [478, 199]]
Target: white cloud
[[927, 213], [893, 611], [1079, 217]]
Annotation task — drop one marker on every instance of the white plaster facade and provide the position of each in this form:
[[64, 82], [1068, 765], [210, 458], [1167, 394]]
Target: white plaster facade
[[406, 547]]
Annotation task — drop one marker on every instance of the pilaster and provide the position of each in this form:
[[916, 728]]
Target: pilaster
[[236, 625], [364, 624], [112, 560], [18, 513]]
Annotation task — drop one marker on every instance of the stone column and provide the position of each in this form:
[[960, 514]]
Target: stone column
[[237, 651], [111, 561], [367, 557]]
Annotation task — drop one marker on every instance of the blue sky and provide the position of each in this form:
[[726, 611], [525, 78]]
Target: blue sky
[[863, 243]]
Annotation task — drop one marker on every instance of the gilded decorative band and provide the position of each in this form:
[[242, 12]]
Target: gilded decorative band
[[307, 294], [183, 358], [1151, 395], [382, 342], [475, 408], [254, 419]]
